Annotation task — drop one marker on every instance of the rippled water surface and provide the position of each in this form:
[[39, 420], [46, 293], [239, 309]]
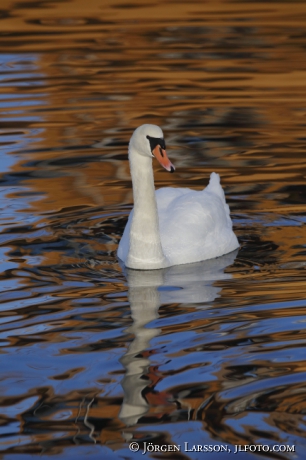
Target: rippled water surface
[[94, 357]]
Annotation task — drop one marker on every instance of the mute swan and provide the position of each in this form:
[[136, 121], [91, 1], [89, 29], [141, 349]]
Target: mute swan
[[171, 226]]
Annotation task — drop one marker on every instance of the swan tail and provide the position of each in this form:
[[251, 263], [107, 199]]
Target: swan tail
[[214, 186]]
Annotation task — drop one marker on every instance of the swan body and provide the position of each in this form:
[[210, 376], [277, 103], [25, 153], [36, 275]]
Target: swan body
[[171, 226]]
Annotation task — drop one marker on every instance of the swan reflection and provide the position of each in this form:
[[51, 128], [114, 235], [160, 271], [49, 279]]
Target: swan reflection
[[147, 291]]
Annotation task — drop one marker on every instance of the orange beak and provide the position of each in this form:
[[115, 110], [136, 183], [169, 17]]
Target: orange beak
[[161, 156]]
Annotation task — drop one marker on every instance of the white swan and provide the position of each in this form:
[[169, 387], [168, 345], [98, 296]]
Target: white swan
[[171, 226]]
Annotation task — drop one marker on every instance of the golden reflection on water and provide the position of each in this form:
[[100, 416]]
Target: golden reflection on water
[[210, 354]]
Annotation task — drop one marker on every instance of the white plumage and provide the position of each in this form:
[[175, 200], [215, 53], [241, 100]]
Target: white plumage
[[171, 226]]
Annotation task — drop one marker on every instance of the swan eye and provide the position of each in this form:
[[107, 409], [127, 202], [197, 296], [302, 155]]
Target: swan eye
[[154, 141]]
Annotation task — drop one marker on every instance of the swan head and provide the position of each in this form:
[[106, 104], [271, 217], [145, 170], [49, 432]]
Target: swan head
[[148, 140]]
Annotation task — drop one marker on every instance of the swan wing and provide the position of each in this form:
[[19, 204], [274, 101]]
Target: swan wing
[[195, 225]]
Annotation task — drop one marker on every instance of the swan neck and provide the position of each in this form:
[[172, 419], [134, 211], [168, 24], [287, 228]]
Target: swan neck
[[143, 184], [145, 249]]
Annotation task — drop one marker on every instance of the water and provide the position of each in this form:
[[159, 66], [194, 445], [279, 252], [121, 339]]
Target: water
[[93, 357]]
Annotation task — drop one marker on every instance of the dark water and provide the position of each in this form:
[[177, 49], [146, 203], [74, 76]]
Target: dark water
[[93, 358]]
